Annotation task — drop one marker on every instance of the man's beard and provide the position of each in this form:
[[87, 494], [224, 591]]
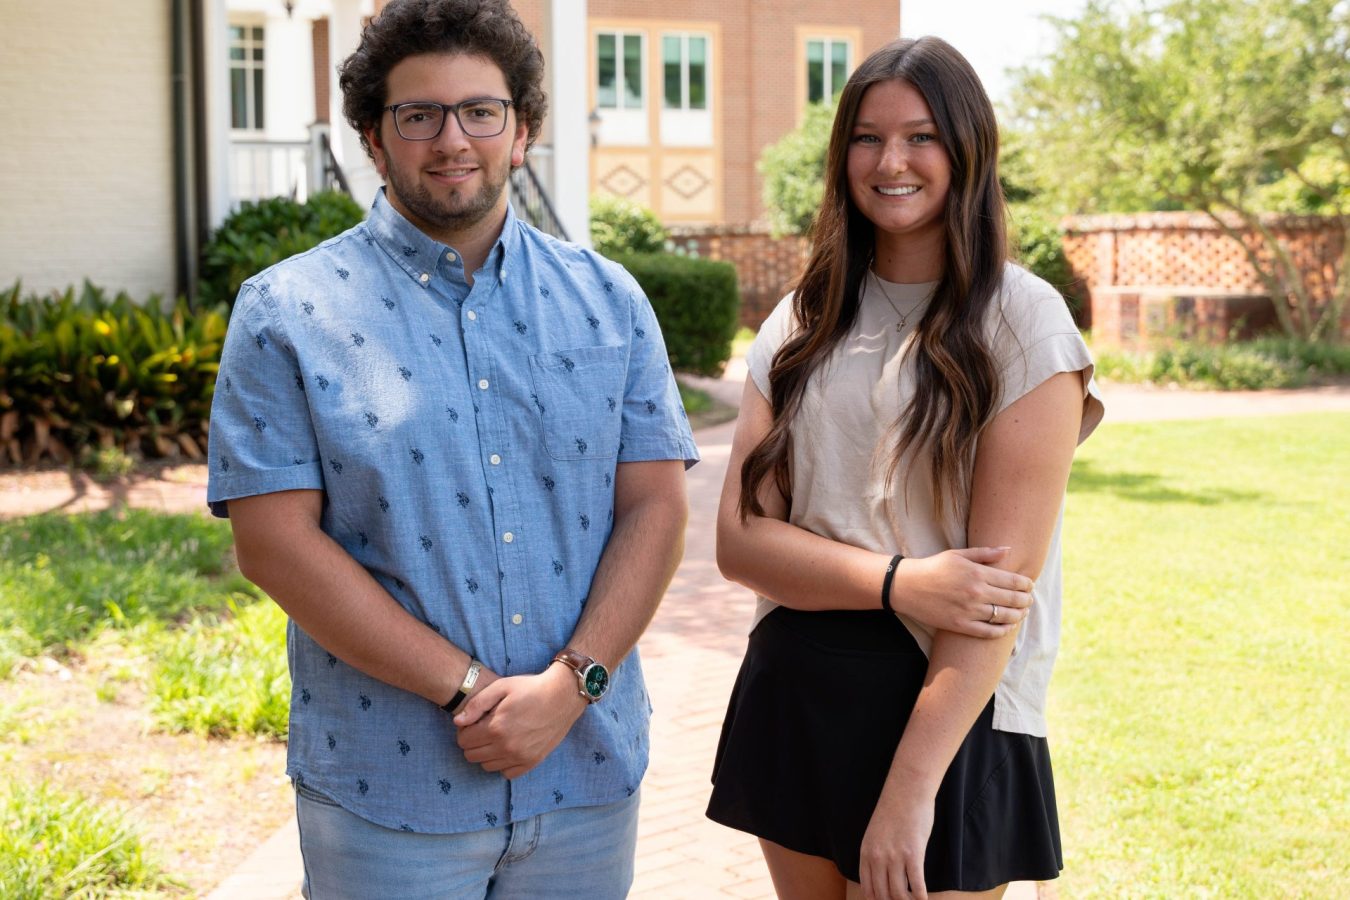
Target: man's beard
[[451, 215]]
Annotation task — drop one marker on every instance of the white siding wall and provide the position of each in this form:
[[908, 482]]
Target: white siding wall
[[86, 183]]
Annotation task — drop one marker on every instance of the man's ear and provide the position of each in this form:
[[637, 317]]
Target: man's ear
[[518, 145], [376, 149]]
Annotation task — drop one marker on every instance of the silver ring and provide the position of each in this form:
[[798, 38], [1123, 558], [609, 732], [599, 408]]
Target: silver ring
[[993, 614]]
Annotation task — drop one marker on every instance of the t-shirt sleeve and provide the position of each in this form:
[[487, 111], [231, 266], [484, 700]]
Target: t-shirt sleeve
[[654, 424], [775, 330], [261, 440], [1034, 338]]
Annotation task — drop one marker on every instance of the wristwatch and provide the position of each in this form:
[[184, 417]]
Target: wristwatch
[[592, 677]]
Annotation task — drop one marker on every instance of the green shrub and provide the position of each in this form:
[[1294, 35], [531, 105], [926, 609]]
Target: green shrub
[[696, 302], [1039, 245], [794, 172], [79, 369], [223, 676], [1275, 362], [64, 578], [261, 234], [620, 226], [55, 845]]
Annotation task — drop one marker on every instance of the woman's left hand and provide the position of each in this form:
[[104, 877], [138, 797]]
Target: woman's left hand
[[894, 844]]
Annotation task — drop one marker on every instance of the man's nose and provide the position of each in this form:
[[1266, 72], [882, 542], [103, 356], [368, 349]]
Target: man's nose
[[452, 136]]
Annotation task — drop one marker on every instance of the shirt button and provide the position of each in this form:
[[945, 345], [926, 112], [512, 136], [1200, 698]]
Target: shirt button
[[517, 619], [450, 256], [473, 316], [424, 278], [482, 384], [495, 459], [508, 537]]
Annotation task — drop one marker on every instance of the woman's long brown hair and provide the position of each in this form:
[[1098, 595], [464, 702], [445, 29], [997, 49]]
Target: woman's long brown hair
[[957, 384]]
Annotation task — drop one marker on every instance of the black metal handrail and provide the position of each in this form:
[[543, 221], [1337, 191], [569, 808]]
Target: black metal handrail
[[532, 202], [332, 171]]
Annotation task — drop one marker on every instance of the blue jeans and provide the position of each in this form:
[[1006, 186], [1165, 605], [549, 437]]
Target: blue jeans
[[582, 852]]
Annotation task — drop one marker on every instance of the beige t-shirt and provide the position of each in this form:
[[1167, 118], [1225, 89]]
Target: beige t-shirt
[[844, 436]]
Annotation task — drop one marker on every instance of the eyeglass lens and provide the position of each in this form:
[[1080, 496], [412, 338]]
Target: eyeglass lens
[[423, 121]]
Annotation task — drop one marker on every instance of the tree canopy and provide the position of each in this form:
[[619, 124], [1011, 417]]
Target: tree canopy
[[1228, 107]]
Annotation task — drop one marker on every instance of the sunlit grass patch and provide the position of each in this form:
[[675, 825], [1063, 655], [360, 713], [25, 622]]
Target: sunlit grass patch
[[224, 674], [56, 845], [64, 578], [1199, 710]]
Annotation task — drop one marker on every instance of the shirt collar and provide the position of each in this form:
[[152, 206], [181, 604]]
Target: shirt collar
[[418, 254]]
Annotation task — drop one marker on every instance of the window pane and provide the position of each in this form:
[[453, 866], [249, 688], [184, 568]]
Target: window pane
[[698, 73], [838, 67], [236, 53], [258, 35], [670, 54], [632, 70], [815, 71], [257, 53], [258, 98], [238, 99], [605, 95], [236, 33]]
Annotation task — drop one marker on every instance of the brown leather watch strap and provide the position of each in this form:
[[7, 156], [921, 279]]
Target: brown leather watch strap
[[573, 659]]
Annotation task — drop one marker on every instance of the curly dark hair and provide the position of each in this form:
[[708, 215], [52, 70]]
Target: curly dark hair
[[406, 28]]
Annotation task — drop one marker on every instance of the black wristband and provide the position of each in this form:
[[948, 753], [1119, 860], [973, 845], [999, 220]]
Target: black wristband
[[470, 679], [886, 582]]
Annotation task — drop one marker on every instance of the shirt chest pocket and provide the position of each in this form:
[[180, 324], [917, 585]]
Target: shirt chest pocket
[[578, 396]]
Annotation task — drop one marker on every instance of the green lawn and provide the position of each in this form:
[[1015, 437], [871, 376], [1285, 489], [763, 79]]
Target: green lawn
[[1199, 715]]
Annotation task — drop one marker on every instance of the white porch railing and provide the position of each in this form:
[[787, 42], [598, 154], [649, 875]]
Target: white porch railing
[[262, 168]]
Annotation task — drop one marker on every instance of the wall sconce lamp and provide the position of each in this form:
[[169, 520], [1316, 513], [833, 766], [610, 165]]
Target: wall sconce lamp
[[593, 122]]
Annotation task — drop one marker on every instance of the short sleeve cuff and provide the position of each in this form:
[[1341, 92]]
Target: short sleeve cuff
[[251, 484], [651, 449], [1055, 353]]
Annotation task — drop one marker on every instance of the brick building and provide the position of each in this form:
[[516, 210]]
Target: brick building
[[682, 99]]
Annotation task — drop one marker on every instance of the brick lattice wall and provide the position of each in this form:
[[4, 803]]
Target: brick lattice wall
[[765, 265], [1147, 273]]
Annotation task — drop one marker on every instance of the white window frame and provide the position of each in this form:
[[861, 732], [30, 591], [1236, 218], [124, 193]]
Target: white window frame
[[621, 102], [623, 124], [252, 67], [683, 37], [682, 126], [827, 42]]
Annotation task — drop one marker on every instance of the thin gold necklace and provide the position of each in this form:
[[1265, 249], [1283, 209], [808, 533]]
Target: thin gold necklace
[[904, 317]]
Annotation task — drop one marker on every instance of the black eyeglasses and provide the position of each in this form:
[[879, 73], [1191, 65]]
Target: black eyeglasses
[[422, 120]]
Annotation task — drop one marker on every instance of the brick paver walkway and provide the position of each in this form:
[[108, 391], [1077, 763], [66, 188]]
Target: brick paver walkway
[[690, 654]]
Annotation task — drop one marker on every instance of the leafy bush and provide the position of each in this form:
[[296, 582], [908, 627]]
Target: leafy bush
[[64, 578], [80, 369], [225, 676], [54, 844], [261, 234], [1038, 244], [696, 302], [794, 172], [1249, 365], [619, 226]]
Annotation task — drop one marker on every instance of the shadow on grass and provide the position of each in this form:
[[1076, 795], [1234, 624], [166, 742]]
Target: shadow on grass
[[1149, 487]]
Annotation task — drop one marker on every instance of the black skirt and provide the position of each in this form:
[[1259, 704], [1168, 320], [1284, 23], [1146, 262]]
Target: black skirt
[[817, 711]]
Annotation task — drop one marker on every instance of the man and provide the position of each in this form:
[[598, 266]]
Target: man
[[451, 448]]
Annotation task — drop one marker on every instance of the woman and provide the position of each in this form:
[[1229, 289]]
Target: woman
[[915, 394]]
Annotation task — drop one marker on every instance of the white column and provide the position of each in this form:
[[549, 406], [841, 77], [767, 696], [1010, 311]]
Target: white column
[[571, 130], [216, 37], [344, 34]]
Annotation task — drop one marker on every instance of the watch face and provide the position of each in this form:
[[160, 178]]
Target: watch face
[[597, 680]]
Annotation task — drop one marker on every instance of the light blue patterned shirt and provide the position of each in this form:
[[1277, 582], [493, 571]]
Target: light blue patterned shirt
[[466, 442]]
